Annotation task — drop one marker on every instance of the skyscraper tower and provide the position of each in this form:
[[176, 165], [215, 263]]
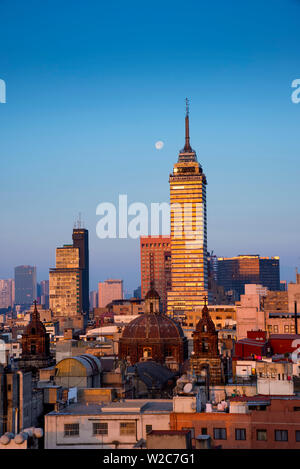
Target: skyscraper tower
[[81, 241], [188, 232], [25, 285], [69, 280], [156, 261]]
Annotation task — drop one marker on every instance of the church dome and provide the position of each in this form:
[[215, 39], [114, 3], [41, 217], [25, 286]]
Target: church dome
[[152, 326]]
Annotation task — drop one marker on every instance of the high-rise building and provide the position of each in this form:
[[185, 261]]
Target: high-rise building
[[7, 293], [68, 281], [235, 272], [81, 241], [156, 266], [108, 291], [64, 283], [93, 299], [44, 285], [25, 285], [137, 293], [188, 232]]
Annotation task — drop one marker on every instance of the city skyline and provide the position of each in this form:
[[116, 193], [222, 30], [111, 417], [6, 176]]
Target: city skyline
[[149, 242], [95, 108]]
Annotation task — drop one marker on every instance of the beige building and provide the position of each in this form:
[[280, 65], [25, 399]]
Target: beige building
[[7, 293], [249, 311], [110, 425], [108, 291], [64, 283], [270, 311], [223, 316]]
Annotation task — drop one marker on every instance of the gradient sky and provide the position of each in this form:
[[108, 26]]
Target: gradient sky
[[92, 85]]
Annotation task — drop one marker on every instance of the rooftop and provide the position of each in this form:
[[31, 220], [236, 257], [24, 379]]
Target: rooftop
[[133, 406]]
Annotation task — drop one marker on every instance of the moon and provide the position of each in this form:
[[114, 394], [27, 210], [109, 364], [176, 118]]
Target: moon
[[159, 145]]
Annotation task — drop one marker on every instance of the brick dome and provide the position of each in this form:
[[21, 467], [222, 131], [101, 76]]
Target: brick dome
[[153, 336], [152, 326]]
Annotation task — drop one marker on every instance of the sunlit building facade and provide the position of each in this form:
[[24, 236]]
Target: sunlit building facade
[[188, 233], [156, 266], [64, 283], [109, 290]]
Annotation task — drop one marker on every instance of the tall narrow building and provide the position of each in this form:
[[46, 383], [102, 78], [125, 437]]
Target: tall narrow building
[[156, 262], [188, 233], [25, 285], [69, 280], [81, 241]]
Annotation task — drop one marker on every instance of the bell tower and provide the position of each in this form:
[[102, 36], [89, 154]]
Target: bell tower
[[206, 353]]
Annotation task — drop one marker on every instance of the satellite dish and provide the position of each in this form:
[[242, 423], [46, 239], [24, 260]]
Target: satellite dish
[[188, 387]]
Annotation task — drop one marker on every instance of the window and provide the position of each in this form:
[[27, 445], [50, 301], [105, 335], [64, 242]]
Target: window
[[148, 429], [261, 435], [100, 428], [257, 407], [281, 435], [204, 345], [240, 434], [297, 435], [220, 434], [127, 428], [203, 431], [71, 429], [147, 352]]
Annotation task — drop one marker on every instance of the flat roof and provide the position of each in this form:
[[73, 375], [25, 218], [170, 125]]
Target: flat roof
[[114, 408]]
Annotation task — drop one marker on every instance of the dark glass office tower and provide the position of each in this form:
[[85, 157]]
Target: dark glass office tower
[[269, 275], [81, 240], [25, 285], [235, 272]]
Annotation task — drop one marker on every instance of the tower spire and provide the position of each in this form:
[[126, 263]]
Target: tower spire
[[187, 146]]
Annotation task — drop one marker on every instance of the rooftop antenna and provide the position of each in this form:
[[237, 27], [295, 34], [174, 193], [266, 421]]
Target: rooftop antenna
[[187, 146], [79, 223]]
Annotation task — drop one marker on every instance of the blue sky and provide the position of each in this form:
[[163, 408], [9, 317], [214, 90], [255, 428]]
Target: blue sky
[[91, 86]]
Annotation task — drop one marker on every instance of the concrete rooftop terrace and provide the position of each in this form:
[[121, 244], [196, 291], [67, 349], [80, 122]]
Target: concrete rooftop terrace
[[130, 406]]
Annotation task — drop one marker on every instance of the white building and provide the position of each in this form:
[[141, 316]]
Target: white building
[[113, 425]]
